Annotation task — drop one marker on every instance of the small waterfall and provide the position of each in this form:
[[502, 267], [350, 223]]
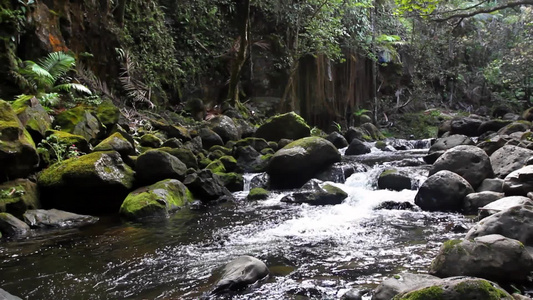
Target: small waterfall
[[247, 177]]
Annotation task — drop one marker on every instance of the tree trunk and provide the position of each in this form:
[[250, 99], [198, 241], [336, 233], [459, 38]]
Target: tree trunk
[[233, 93], [120, 11]]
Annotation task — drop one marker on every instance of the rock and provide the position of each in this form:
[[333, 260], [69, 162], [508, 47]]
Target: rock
[[206, 187], [503, 204], [80, 121], [234, 182], [454, 288], [432, 158], [466, 126], [108, 113], [240, 273], [372, 131], [315, 193], [395, 205], [300, 160], [209, 138], [491, 184], [256, 143], [261, 180], [225, 128], [150, 140], [172, 131], [17, 196], [184, 155], [357, 147], [33, 117], [10, 225], [338, 172], [443, 191], [492, 144], [92, 184], [158, 199], [493, 125], [394, 180], [470, 162], [116, 142], [284, 126], [18, 155], [519, 182], [229, 162], [258, 194], [251, 161], [354, 294], [172, 143], [353, 133], [508, 159], [518, 126], [245, 128], [196, 108], [493, 257], [474, 201], [401, 283], [7, 296], [337, 140], [449, 142], [514, 223], [68, 139], [156, 165], [41, 218]]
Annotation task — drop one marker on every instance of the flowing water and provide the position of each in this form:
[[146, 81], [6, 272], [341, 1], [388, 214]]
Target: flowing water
[[313, 252]]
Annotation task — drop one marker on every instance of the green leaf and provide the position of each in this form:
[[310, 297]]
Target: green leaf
[[67, 87]]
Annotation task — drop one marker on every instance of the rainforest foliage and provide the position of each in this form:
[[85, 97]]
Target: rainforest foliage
[[326, 59]]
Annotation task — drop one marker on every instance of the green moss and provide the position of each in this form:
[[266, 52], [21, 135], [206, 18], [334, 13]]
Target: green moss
[[388, 172], [224, 150], [107, 113], [68, 119], [258, 194], [229, 162], [480, 287], [331, 189], [216, 167], [428, 293], [304, 142], [450, 245], [150, 140], [216, 154]]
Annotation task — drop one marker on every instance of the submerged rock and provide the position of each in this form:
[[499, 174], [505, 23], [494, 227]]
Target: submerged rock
[[443, 191], [240, 273], [56, 219], [316, 193], [493, 257]]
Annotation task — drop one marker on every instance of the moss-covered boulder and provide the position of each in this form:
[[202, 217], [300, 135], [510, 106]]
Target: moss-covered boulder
[[80, 121], [258, 194], [173, 131], [150, 140], [107, 113], [285, 126], [216, 166], [66, 138], [234, 182], [225, 128], [17, 196], [91, 184], [317, 193], [18, 155], [116, 142], [257, 143], [209, 138], [158, 199], [185, 155], [300, 160], [372, 131], [156, 165], [33, 116], [206, 186], [229, 162]]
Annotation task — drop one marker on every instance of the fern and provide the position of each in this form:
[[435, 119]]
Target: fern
[[67, 87], [57, 64]]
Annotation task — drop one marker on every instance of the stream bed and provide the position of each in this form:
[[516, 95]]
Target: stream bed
[[313, 252]]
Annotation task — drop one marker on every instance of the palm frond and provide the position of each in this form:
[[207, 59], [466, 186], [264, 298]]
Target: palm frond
[[57, 63], [67, 87], [23, 83], [33, 72]]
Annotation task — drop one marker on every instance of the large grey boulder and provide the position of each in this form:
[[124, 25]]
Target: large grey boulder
[[443, 191], [445, 143], [156, 165], [337, 139], [493, 257], [54, 218], [395, 180], [508, 159], [401, 283], [285, 126], [209, 138], [11, 226], [470, 162], [503, 204], [519, 182], [474, 201], [514, 223], [240, 273], [300, 160], [207, 187], [492, 185], [225, 128]]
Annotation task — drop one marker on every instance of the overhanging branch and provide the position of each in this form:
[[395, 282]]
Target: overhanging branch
[[484, 11]]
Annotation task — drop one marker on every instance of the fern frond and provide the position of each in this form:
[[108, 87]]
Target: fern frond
[[49, 99], [33, 72], [57, 63], [67, 87]]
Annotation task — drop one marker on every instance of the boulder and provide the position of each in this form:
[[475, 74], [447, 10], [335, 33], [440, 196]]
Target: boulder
[[240, 273], [519, 182], [33, 116], [258, 194], [508, 159], [353, 133], [503, 204], [185, 155], [445, 143], [401, 283], [372, 131], [493, 257], [245, 128], [395, 180], [300, 160], [474, 201], [209, 138], [91, 184], [234, 182], [493, 125], [17, 196], [225, 128], [18, 155], [158, 199], [470, 162], [518, 126], [116, 142], [53, 218], [357, 147], [67, 139], [454, 288], [173, 131], [466, 126], [251, 161], [397, 205], [493, 143], [156, 165], [491, 184], [338, 172], [514, 223], [317, 193], [11, 226], [150, 140], [206, 186], [443, 191], [256, 143], [284, 126], [337, 140], [107, 113], [80, 121]]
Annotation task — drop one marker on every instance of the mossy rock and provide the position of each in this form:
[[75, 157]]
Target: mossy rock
[[216, 166], [381, 145], [258, 194], [222, 149], [216, 154], [17, 196], [172, 131], [257, 143], [172, 143], [284, 126], [185, 155], [150, 140], [517, 126], [116, 142], [156, 165], [234, 182], [95, 183], [66, 138], [419, 125], [158, 199], [107, 113], [18, 155], [33, 117], [229, 162], [80, 121]]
